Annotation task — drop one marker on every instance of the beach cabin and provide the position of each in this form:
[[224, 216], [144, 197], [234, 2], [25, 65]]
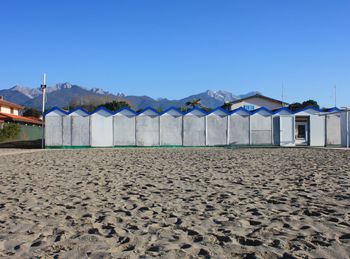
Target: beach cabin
[[147, 128], [66, 131], [53, 127], [283, 127], [80, 127], [333, 127], [194, 128], [101, 128], [217, 123], [238, 127], [345, 128], [171, 128], [310, 127], [124, 127], [261, 127]]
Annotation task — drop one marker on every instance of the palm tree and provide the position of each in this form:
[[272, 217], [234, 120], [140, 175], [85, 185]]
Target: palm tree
[[194, 103]]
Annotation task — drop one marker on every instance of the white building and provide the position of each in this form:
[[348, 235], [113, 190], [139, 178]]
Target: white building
[[257, 101]]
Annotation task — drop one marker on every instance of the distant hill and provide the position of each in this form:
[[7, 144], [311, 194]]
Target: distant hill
[[62, 94]]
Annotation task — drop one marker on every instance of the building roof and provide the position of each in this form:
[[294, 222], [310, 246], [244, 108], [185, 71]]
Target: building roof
[[15, 118], [259, 96], [10, 105]]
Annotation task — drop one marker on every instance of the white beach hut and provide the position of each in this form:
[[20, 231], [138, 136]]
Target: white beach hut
[[194, 128], [171, 128], [261, 127], [53, 127], [101, 128], [80, 127], [124, 127], [283, 127], [310, 127], [333, 127], [238, 128], [147, 128], [217, 124], [345, 128]]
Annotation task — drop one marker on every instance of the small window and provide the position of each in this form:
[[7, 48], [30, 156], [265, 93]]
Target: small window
[[11, 110], [249, 107]]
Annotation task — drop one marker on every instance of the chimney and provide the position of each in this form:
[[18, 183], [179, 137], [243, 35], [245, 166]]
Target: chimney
[[1, 97]]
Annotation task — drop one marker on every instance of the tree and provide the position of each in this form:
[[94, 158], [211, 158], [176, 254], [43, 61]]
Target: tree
[[160, 110], [305, 104], [227, 106], [194, 103], [115, 105], [31, 112], [91, 103]]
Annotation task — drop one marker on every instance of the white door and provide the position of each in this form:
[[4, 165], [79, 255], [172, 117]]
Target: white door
[[301, 133], [286, 130], [317, 131]]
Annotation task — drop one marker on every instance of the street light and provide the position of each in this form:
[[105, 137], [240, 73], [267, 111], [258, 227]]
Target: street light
[[43, 88], [346, 109]]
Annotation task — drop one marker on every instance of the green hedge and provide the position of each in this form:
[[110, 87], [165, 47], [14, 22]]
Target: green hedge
[[9, 131]]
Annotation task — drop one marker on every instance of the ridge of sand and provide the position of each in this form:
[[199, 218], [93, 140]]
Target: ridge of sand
[[176, 203]]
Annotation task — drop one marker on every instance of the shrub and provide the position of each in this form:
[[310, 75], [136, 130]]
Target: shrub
[[9, 131]]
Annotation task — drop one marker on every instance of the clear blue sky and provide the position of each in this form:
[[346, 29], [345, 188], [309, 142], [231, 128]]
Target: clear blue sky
[[173, 48]]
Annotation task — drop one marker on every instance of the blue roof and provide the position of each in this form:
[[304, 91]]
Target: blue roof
[[219, 109], [172, 108], [196, 109], [283, 109], [125, 109], [55, 109], [307, 108], [78, 109], [148, 109], [261, 109], [240, 109], [102, 108], [334, 109]]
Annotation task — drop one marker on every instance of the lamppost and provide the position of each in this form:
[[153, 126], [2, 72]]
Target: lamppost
[[43, 88], [346, 109]]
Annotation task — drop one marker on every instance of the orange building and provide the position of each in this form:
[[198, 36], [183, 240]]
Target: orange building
[[9, 112]]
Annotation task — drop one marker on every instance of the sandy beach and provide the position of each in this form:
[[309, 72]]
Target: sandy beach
[[175, 203]]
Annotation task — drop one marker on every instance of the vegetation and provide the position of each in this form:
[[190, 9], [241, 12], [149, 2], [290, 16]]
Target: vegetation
[[227, 106], [31, 112], [9, 131], [194, 103], [308, 103], [91, 103], [115, 105]]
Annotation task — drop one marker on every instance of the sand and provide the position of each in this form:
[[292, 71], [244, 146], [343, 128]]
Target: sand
[[175, 203]]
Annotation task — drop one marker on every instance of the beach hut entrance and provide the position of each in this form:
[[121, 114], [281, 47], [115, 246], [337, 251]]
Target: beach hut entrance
[[301, 131], [286, 130]]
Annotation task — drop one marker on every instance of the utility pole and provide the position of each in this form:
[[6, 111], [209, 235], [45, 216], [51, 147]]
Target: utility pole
[[43, 88]]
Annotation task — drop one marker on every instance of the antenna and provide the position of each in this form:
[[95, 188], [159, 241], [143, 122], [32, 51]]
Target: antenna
[[282, 94], [335, 95]]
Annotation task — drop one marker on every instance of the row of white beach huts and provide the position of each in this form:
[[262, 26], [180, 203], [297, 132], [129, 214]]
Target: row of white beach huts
[[102, 128]]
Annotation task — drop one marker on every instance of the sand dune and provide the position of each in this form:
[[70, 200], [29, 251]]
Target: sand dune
[[176, 203]]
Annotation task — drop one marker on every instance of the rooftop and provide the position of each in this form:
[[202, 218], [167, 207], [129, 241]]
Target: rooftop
[[9, 104]]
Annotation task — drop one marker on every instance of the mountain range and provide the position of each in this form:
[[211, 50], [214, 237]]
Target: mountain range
[[62, 94]]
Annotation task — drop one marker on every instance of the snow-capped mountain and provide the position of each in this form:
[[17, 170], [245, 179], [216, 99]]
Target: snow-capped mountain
[[62, 94]]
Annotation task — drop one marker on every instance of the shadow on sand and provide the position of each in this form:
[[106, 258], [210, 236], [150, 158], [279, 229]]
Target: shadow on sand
[[29, 144]]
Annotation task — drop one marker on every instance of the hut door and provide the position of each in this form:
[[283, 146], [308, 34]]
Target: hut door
[[286, 130], [317, 131]]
